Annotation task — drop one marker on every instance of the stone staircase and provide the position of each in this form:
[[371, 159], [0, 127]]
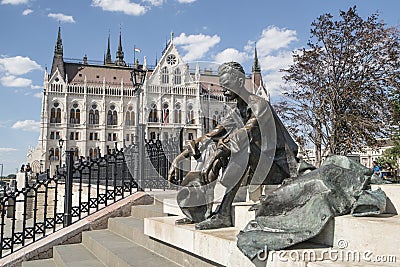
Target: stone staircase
[[149, 237]]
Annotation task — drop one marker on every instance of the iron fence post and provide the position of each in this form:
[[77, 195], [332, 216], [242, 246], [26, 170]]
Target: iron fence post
[[68, 188], [141, 144]]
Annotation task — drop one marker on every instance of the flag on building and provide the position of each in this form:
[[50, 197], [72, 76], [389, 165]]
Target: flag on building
[[137, 50]]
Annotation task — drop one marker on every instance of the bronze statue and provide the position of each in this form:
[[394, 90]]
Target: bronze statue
[[250, 145]]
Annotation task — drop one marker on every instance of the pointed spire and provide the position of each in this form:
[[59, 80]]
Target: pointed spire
[[120, 54], [256, 65], [58, 49], [108, 59], [58, 60]]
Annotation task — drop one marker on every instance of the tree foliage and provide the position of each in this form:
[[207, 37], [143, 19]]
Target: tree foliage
[[337, 91]]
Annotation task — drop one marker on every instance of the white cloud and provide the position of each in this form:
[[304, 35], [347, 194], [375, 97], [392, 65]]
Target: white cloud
[[155, 2], [186, 1], [18, 65], [196, 46], [231, 54], [7, 149], [27, 125], [36, 87], [276, 62], [14, 2], [27, 12], [124, 6], [274, 38], [61, 17], [13, 81], [274, 54], [38, 95]]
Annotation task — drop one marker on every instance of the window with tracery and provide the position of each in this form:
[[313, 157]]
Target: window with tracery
[[130, 117], [153, 117], [75, 114], [94, 115], [177, 76], [165, 113], [112, 117], [190, 115], [164, 75], [177, 113], [55, 113]]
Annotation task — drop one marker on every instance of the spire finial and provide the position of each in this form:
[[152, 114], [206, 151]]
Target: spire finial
[[108, 59], [256, 64], [172, 36], [120, 54]]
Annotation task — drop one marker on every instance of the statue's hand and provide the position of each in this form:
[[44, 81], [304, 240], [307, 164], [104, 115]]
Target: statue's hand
[[174, 169], [211, 168]]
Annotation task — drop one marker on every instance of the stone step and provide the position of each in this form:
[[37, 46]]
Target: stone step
[[240, 211], [40, 263], [144, 211], [374, 233], [219, 245], [115, 250], [377, 234], [75, 255], [392, 192], [132, 229], [129, 227]]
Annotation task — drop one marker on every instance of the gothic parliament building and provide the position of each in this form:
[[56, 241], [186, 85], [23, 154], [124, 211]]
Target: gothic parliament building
[[93, 105]]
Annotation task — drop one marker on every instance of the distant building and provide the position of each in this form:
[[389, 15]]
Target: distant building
[[366, 157], [92, 105]]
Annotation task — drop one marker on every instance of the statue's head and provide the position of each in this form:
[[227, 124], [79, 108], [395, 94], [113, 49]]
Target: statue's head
[[231, 78]]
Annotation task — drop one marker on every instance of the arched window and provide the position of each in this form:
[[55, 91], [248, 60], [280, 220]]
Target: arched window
[[153, 113], [177, 76], [177, 113], [76, 153], [75, 114], [57, 154], [51, 154], [164, 75], [215, 119], [165, 113], [190, 115], [93, 153], [130, 117], [112, 117], [94, 115], [55, 113]]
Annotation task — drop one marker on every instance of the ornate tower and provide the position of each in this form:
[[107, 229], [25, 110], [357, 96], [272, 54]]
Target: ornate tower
[[120, 54], [58, 60], [108, 59], [256, 71]]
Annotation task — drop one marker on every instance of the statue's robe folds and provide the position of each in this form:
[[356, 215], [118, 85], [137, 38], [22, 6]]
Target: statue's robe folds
[[301, 207]]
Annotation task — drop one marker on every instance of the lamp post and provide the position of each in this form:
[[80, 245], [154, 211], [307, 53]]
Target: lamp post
[[138, 76], [60, 143]]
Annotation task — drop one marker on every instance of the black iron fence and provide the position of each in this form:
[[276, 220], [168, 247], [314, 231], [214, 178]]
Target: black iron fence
[[45, 203]]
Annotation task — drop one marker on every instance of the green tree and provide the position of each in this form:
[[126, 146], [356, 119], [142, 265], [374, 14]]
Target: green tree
[[337, 91]]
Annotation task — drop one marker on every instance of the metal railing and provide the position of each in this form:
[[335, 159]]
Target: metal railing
[[45, 203]]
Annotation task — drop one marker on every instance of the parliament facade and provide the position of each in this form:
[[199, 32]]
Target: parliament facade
[[93, 105]]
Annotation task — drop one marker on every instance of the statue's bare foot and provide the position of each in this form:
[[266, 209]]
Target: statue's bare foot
[[184, 221], [214, 222]]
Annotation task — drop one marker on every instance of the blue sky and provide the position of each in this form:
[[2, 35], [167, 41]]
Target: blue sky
[[204, 30]]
